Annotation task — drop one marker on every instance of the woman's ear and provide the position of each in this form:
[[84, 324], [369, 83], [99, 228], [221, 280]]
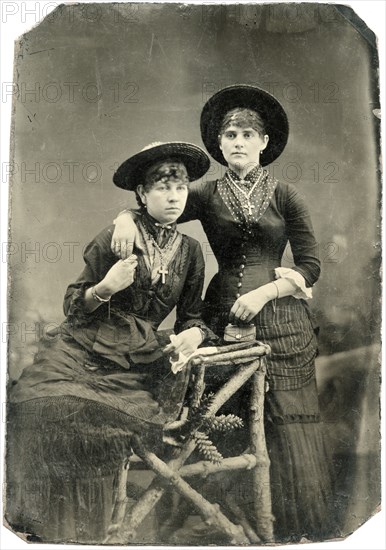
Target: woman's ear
[[219, 141], [266, 140], [141, 193]]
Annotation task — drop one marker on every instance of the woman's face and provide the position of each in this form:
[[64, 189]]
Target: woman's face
[[241, 147], [165, 200]]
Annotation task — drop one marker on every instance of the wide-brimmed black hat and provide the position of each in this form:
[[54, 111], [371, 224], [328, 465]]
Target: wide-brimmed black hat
[[131, 173], [249, 97]]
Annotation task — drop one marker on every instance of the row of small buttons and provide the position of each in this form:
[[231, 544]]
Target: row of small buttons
[[241, 274]]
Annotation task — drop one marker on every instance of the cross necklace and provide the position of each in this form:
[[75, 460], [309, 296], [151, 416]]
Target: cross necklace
[[162, 270], [248, 195]]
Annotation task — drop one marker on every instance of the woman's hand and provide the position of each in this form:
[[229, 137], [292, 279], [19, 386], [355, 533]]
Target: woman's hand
[[185, 342], [119, 277], [125, 236], [248, 306]]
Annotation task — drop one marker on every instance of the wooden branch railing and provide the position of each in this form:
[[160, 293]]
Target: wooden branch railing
[[205, 468], [237, 512], [250, 359], [233, 357], [156, 489], [261, 478], [211, 513]]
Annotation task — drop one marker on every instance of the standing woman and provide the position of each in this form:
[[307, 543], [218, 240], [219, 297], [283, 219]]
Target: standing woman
[[249, 217]]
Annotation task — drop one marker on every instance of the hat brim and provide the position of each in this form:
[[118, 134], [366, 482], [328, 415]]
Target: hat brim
[[249, 97], [131, 173]]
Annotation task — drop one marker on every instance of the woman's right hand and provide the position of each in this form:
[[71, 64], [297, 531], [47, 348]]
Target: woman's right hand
[[125, 236], [120, 276]]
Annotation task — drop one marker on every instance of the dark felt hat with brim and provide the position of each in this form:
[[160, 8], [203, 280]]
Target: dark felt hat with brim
[[131, 173], [249, 97]]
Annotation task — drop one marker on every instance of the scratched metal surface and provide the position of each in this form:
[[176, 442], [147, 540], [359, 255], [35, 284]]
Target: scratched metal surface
[[97, 84]]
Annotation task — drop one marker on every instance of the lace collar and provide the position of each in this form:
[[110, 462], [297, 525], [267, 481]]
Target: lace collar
[[247, 205]]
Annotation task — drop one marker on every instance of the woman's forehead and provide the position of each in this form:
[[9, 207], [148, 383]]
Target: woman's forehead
[[237, 126]]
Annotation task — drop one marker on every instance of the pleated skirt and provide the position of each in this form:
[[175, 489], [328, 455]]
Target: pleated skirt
[[301, 467]]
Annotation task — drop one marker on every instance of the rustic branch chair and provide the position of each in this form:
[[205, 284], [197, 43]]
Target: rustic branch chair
[[249, 363]]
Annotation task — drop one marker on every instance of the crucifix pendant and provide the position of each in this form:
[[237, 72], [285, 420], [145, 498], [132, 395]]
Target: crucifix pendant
[[250, 207], [163, 272]]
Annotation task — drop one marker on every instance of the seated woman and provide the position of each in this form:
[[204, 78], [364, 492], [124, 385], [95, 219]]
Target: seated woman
[[73, 412]]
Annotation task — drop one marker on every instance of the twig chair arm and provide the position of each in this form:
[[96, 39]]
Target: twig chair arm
[[236, 356]]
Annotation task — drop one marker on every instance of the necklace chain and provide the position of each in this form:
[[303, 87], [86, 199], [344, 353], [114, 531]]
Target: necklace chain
[[161, 251], [233, 201], [248, 194]]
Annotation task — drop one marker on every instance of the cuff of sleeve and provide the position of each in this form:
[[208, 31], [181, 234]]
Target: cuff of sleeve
[[76, 311], [302, 292], [209, 336]]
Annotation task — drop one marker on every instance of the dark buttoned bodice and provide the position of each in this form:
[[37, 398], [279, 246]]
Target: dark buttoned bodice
[[248, 253]]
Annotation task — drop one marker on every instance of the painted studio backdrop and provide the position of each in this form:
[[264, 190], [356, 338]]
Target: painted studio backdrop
[[95, 83]]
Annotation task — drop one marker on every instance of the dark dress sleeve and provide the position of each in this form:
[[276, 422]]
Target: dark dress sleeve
[[190, 303], [98, 259], [301, 236], [195, 205]]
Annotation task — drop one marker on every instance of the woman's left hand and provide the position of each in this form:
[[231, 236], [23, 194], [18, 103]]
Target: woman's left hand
[[185, 342], [247, 306]]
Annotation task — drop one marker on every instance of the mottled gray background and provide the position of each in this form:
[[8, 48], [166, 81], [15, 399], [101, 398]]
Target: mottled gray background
[[97, 82]]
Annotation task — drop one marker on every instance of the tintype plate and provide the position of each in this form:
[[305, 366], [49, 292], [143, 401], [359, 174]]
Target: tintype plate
[[94, 83]]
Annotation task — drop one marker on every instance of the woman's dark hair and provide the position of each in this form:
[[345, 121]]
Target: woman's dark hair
[[243, 118], [164, 170]]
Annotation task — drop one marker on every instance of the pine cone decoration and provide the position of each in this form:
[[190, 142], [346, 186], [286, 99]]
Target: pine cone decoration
[[206, 402], [223, 423], [197, 414], [207, 448]]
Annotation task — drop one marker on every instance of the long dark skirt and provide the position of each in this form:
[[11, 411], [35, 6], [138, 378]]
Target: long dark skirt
[[71, 418], [301, 469]]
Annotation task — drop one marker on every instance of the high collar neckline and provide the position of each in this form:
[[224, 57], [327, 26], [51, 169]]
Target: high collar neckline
[[251, 177], [155, 227]]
